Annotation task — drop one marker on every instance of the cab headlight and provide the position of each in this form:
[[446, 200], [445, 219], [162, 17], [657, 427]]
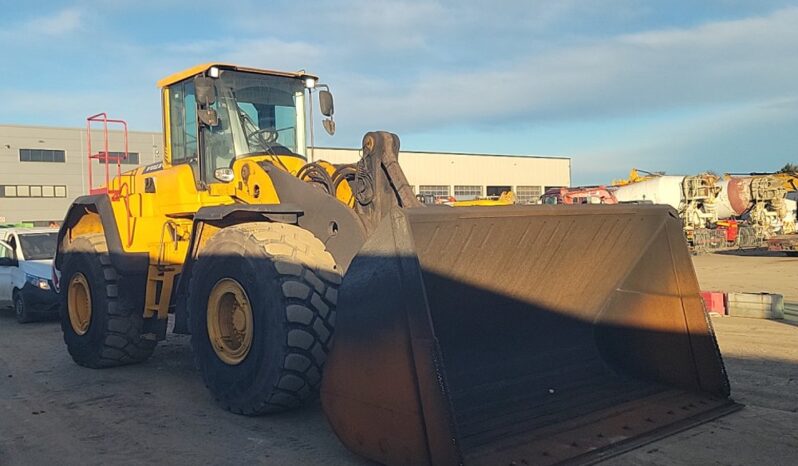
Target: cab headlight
[[38, 282]]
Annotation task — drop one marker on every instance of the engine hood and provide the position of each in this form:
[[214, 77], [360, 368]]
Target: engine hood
[[38, 268]]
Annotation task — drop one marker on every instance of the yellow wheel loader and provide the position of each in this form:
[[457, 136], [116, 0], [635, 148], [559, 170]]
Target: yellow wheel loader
[[476, 335]]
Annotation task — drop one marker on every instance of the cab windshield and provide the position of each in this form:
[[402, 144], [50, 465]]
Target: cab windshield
[[258, 114]]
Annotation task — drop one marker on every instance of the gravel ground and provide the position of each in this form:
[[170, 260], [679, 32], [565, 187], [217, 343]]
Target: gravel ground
[[54, 412]]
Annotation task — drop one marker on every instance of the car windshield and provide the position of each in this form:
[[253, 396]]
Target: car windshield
[[38, 246], [258, 114]]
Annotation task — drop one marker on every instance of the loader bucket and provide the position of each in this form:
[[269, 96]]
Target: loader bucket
[[520, 335]]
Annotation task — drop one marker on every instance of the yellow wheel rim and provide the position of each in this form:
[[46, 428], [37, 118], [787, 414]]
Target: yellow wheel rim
[[230, 321], [79, 303]]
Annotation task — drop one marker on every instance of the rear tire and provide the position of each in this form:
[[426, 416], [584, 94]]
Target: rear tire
[[100, 329], [24, 315], [289, 285]]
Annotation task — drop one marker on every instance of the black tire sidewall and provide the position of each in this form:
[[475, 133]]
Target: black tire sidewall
[[86, 348], [24, 316], [240, 387]]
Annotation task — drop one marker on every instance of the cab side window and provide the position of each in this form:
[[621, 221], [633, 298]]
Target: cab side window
[[6, 253], [183, 124]]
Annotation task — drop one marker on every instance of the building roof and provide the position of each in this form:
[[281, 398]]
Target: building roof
[[474, 154], [76, 128], [26, 230]]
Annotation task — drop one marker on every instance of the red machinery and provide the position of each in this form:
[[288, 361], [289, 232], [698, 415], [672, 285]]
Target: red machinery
[[731, 228], [579, 195]]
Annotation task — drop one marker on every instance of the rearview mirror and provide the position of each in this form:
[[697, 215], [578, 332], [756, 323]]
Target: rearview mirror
[[204, 90], [329, 126], [326, 103], [208, 116]]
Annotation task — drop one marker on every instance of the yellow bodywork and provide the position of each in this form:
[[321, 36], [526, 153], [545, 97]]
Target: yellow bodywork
[[506, 198], [789, 180], [160, 223], [634, 177], [147, 220]]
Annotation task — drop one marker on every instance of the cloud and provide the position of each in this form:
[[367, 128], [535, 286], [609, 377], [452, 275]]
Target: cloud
[[528, 76], [349, 26], [747, 138], [57, 24], [389, 25], [715, 63], [70, 109], [270, 53]]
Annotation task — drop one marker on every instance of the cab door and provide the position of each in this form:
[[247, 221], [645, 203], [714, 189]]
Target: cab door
[[178, 182]]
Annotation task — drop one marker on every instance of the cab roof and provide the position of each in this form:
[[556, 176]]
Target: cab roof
[[27, 230], [195, 70]]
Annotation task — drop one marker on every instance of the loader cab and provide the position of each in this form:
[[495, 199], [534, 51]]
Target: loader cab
[[215, 114]]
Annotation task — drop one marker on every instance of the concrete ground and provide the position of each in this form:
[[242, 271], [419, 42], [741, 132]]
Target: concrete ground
[[761, 358], [54, 412], [749, 271]]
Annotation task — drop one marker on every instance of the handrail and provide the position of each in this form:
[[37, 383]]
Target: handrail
[[105, 155]]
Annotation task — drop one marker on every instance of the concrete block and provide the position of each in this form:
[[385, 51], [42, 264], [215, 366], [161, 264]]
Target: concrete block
[[756, 305]]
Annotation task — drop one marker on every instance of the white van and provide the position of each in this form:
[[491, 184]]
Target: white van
[[26, 258]]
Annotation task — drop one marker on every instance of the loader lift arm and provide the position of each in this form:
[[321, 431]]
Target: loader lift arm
[[379, 185]]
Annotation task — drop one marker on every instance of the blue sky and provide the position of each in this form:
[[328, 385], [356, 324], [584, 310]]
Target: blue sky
[[676, 86]]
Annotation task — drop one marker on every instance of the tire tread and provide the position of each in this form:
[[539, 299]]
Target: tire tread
[[122, 342], [309, 281]]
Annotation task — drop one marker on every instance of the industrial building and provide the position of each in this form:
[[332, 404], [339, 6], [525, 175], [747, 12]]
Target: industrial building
[[42, 169], [469, 176]]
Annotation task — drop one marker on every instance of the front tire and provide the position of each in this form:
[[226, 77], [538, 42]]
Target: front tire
[[262, 311], [100, 329], [23, 314]]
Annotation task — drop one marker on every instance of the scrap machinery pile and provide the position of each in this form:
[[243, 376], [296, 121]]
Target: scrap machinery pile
[[735, 211], [693, 197]]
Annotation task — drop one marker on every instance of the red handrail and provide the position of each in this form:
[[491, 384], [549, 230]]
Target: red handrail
[[105, 156]]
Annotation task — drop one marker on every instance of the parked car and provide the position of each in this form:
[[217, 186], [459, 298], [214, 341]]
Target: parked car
[[26, 256]]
